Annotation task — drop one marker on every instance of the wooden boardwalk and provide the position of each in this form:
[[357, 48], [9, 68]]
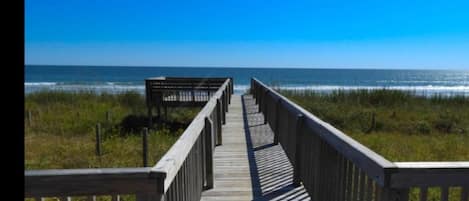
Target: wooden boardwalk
[[248, 166]]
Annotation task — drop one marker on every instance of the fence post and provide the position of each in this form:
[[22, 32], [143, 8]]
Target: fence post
[[219, 122], [30, 120], [98, 139], [208, 153], [108, 116], [229, 91], [192, 92], [264, 108], [256, 92], [145, 147], [277, 121], [227, 99], [298, 142], [150, 116], [232, 85], [259, 96], [222, 112]]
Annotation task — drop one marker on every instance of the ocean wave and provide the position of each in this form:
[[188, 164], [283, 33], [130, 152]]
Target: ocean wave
[[421, 90], [240, 89], [40, 83], [406, 88]]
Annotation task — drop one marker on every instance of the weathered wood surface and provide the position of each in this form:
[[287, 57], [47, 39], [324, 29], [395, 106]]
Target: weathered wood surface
[[175, 157], [79, 182], [248, 166]]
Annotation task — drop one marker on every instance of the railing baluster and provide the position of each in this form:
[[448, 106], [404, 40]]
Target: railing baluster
[[145, 147], [465, 193], [219, 122], [355, 183], [369, 189], [444, 193], [377, 192], [277, 121], [341, 178], [350, 167], [209, 153], [115, 197], [298, 142], [423, 193], [64, 198], [362, 185]]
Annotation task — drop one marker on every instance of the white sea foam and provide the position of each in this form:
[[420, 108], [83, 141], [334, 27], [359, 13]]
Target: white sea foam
[[40, 83], [112, 87], [422, 90], [406, 88]]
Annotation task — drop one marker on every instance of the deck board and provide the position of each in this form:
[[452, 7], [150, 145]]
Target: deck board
[[244, 164]]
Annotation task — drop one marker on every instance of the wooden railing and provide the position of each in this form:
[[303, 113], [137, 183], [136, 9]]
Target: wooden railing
[[182, 91], [334, 167], [181, 174], [164, 92]]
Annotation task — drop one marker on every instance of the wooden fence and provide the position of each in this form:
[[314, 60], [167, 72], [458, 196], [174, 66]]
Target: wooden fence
[[181, 174], [334, 167]]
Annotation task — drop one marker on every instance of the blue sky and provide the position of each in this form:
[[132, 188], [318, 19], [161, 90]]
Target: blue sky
[[310, 34]]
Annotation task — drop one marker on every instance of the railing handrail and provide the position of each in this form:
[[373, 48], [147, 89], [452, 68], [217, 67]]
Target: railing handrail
[[91, 181], [186, 79], [367, 158], [171, 162], [391, 174]]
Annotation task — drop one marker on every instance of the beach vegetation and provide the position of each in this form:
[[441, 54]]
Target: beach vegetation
[[399, 125], [60, 129]]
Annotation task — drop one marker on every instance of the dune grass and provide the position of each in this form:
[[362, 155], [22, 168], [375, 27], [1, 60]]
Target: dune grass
[[61, 131], [396, 124]]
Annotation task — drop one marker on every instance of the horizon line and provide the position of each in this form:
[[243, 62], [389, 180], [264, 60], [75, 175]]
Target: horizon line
[[261, 67]]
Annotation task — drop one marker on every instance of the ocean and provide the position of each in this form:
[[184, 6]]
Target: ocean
[[116, 79]]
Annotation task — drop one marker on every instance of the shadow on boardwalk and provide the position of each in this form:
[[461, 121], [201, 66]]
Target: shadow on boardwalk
[[271, 172]]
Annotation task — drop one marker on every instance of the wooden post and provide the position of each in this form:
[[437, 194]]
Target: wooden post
[[298, 142], [98, 139], [150, 117], [158, 110], [219, 121], [91, 198], [30, 118], [223, 96], [145, 147], [222, 113], [265, 109], [277, 121], [226, 101], [108, 116], [192, 92], [115, 197], [251, 89], [208, 153], [259, 96], [230, 91]]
